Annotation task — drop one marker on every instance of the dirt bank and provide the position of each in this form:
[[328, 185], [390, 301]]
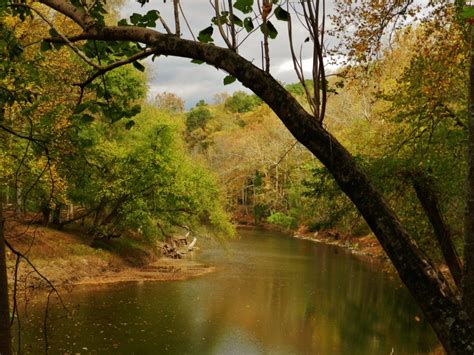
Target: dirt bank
[[66, 259], [367, 246]]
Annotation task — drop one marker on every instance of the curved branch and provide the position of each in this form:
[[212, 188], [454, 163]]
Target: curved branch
[[102, 70], [28, 261], [63, 37], [77, 14]]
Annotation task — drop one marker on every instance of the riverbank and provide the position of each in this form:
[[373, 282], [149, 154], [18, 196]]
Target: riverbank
[[66, 259], [365, 246]]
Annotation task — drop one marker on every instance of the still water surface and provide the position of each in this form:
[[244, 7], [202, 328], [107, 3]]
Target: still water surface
[[270, 295]]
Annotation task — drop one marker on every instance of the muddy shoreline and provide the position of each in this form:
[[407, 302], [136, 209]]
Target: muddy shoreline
[[65, 260]]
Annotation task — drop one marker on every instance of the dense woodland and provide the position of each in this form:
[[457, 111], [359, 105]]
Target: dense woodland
[[114, 164], [96, 151], [403, 130]]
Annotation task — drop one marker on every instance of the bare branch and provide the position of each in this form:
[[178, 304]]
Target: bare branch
[[232, 25], [102, 70], [165, 26], [186, 21], [19, 135], [176, 18], [63, 37], [24, 257], [219, 24]]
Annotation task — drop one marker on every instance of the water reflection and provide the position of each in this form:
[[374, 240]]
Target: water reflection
[[270, 295]]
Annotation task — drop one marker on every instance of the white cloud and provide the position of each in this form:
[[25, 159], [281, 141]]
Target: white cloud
[[193, 82], [332, 64]]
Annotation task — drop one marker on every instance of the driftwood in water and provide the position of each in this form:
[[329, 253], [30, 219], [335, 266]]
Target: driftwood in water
[[192, 244], [177, 248]]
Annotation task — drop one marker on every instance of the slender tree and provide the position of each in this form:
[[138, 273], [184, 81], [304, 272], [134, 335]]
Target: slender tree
[[468, 282], [5, 335]]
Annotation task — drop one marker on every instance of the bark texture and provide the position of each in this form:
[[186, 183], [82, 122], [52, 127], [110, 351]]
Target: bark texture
[[468, 282], [429, 201], [5, 334]]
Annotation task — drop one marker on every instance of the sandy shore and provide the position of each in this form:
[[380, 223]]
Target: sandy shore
[[66, 259], [163, 269]]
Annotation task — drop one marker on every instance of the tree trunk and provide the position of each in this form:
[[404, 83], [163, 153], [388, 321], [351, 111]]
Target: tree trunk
[[429, 201], [5, 334], [57, 215], [468, 282], [45, 212]]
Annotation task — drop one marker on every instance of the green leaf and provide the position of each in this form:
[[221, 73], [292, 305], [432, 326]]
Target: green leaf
[[205, 35], [139, 66], [223, 18], [45, 46], [248, 24], [281, 14], [81, 107], [467, 12], [53, 32], [197, 61], [57, 45], [122, 22], [150, 18], [229, 79], [135, 18], [129, 124], [272, 31], [237, 21], [86, 118], [244, 5], [135, 110]]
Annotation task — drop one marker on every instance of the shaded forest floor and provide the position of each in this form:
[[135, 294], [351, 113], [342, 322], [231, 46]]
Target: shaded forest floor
[[66, 259]]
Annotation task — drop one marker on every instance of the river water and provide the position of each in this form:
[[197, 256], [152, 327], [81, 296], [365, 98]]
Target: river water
[[271, 294]]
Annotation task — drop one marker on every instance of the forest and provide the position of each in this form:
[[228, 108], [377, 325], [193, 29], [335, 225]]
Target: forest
[[383, 146]]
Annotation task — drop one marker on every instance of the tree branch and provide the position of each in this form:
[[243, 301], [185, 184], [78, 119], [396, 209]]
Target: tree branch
[[176, 18], [24, 257], [430, 204], [63, 37], [219, 24], [102, 70], [77, 14]]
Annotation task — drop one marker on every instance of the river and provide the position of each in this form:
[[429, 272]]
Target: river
[[271, 294]]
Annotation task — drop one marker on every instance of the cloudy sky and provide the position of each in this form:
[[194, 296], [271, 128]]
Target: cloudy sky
[[194, 82]]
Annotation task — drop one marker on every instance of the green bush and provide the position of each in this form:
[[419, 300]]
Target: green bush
[[282, 220]]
